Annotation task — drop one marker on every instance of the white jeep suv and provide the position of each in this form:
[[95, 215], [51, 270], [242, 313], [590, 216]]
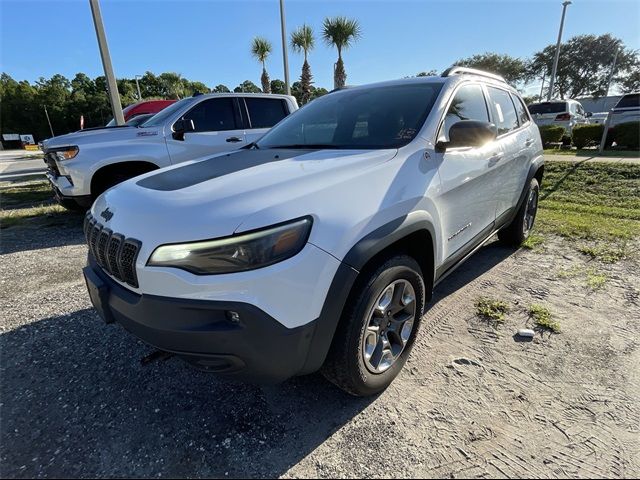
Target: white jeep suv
[[84, 164], [318, 247]]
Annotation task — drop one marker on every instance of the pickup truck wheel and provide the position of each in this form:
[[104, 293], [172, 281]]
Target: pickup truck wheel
[[377, 330], [519, 229]]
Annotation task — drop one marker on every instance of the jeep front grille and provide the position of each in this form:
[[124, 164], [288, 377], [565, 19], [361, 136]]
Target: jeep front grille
[[114, 253]]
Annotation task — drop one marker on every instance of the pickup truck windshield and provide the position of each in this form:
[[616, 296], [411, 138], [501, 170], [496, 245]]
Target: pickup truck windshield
[[359, 118], [161, 117]]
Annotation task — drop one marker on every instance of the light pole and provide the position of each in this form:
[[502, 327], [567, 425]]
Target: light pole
[[114, 96], [285, 57], [552, 80], [613, 69], [138, 87]]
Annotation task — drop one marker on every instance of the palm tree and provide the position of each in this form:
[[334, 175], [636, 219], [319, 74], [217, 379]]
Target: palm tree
[[260, 49], [340, 32], [302, 41]]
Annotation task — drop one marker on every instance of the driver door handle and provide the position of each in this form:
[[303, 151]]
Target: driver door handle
[[233, 139], [495, 158]]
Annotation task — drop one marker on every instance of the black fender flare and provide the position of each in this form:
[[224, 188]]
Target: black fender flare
[[345, 277]]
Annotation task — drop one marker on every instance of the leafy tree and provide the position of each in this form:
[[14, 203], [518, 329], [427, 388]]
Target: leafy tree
[[278, 86], [298, 92], [151, 86], [172, 85], [247, 87], [430, 73], [340, 32], [630, 83], [220, 89], [585, 64], [260, 49], [302, 40], [513, 70]]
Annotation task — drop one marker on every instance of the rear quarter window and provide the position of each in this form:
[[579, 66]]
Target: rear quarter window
[[629, 101], [548, 107], [265, 112]]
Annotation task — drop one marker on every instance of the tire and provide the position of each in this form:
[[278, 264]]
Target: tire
[[519, 229], [352, 359]]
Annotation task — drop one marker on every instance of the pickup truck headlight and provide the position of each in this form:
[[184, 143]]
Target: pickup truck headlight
[[237, 253], [65, 153]]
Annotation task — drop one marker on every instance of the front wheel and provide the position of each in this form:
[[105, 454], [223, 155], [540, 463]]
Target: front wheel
[[519, 229], [377, 330]]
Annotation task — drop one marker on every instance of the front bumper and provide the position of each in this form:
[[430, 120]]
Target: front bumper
[[254, 347], [69, 201]]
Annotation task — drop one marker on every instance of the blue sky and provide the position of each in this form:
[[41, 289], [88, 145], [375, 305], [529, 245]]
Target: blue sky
[[209, 40]]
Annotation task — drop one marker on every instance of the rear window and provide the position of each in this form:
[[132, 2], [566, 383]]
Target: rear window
[[629, 101], [265, 112], [547, 107]]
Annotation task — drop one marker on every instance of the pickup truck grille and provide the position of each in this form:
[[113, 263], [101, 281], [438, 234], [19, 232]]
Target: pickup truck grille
[[50, 160], [114, 253]]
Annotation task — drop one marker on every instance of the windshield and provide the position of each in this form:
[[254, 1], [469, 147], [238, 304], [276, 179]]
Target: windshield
[[139, 119], [375, 117], [548, 107], [161, 117]]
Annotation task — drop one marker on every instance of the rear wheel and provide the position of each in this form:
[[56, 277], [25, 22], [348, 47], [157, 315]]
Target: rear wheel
[[376, 333], [519, 229]]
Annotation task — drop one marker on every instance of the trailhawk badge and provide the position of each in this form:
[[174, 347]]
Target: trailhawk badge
[[106, 214]]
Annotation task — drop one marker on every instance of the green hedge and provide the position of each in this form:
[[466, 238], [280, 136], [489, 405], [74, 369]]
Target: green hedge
[[627, 135], [551, 133], [587, 135]]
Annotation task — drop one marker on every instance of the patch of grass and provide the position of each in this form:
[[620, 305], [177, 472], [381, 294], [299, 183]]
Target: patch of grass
[[605, 253], [543, 319], [15, 196], [491, 309], [593, 152], [599, 202], [10, 218], [595, 280], [572, 272], [533, 242]]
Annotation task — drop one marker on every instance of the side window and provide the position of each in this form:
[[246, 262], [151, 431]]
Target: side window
[[468, 104], [521, 109], [265, 112], [504, 113], [213, 115]]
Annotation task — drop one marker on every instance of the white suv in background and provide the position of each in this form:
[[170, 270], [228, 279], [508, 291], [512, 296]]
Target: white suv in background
[[564, 113], [84, 164], [318, 247]]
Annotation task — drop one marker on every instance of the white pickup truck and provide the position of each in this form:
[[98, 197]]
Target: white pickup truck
[[84, 164]]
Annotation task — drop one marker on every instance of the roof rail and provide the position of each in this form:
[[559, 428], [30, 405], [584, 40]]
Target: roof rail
[[455, 70]]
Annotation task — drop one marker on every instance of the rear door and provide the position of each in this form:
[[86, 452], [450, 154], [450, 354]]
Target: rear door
[[467, 201], [218, 128], [262, 114], [515, 143]]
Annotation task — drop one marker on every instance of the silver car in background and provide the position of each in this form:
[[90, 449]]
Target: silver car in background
[[564, 113]]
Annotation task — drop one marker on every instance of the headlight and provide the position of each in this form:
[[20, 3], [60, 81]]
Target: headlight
[[237, 253], [65, 153]]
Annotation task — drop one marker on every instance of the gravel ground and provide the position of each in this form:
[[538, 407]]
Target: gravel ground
[[473, 401]]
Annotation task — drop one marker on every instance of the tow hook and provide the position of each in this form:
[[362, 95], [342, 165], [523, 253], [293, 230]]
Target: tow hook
[[158, 355]]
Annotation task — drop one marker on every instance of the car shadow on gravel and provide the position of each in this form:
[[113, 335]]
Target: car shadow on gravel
[[43, 232], [76, 402], [492, 254]]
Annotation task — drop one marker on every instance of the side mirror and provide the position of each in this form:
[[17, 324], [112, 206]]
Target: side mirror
[[588, 114], [181, 127], [469, 133]]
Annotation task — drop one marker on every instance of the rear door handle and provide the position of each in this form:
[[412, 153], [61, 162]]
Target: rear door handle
[[528, 142], [234, 139]]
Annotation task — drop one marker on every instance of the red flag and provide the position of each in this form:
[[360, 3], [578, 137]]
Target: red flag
[[81, 122]]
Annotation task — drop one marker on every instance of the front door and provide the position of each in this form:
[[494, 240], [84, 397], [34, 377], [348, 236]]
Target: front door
[[468, 200], [218, 128]]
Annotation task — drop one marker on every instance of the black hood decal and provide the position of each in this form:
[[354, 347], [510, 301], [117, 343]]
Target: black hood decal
[[190, 175]]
